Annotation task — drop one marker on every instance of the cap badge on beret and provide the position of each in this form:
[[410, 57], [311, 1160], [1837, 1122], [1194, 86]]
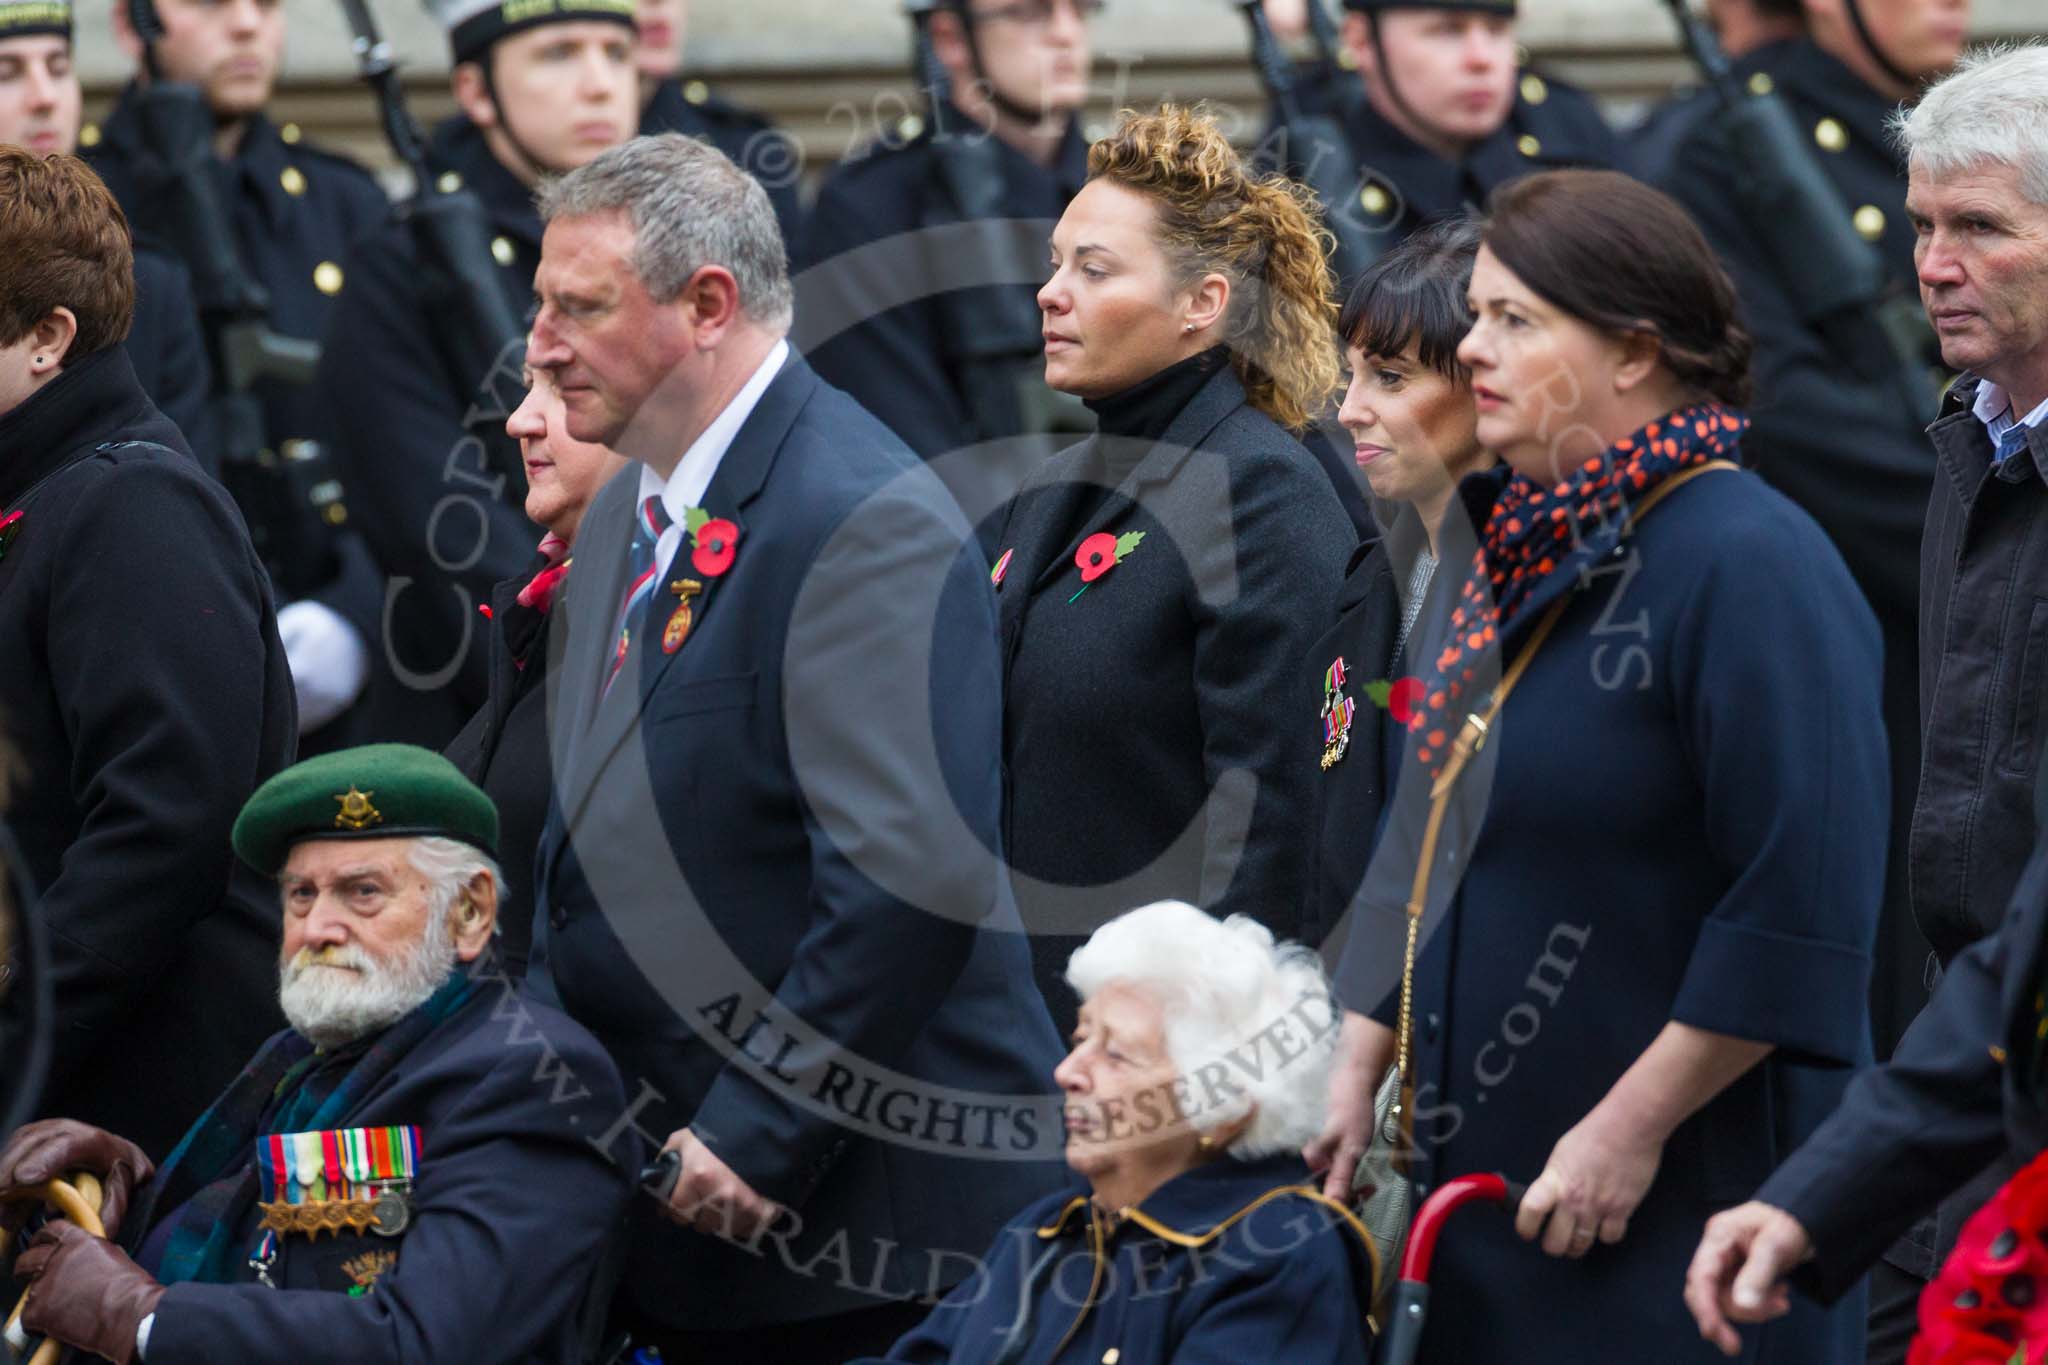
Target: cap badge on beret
[[356, 811]]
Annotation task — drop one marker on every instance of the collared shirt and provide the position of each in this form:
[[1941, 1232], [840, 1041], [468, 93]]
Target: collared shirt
[[1994, 409], [685, 486]]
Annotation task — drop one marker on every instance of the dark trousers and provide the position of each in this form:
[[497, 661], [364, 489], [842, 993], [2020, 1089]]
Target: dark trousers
[[1894, 1313], [820, 1341]]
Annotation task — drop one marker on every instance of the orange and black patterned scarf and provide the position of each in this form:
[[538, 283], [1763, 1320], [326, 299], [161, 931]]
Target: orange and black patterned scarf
[[1535, 532]]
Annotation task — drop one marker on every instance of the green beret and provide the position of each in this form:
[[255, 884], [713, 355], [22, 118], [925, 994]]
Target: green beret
[[27, 18], [377, 791]]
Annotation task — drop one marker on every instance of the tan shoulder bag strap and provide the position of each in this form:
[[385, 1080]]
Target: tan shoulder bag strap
[[1471, 737]]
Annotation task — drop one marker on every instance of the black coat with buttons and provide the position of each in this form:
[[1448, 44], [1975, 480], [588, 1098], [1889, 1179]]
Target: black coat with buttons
[[1403, 185], [442, 509], [750, 140], [1851, 452], [294, 210]]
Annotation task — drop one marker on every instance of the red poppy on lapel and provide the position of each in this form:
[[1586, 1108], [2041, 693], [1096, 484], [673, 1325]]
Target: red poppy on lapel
[[1097, 556], [713, 546], [10, 527]]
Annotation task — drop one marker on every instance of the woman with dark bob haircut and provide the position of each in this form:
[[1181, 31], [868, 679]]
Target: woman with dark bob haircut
[[1643, 943], [1408, 408], [144, 685], [1157, 584]]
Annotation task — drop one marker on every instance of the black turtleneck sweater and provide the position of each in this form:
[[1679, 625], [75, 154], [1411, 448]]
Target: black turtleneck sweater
[[1140, 415]]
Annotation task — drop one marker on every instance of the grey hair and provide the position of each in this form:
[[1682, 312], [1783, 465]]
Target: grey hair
[[449, 865], [690, 207], [1992, 108], [1253, 1012]]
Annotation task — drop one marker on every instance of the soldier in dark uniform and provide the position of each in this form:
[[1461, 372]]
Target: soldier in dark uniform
[[1446, 115], [872, 315], [672, 104], [40, 109], [1851, 451], [438, 483], [293, 210]]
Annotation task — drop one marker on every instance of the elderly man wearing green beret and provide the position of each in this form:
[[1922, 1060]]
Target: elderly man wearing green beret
[[404, 1173]]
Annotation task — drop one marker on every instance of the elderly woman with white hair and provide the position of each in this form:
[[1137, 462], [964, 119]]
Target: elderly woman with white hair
[[1197, 1234]]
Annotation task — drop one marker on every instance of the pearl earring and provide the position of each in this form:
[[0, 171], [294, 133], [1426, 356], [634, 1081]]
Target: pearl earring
[[1189, 328]]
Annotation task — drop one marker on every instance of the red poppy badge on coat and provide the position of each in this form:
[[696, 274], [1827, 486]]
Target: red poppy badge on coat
[[10, 527], [1102, 552]]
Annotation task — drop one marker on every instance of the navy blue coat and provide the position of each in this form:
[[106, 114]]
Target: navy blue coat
[[510, 1208], [1679, 816], [1228, 1263], [769, 883]]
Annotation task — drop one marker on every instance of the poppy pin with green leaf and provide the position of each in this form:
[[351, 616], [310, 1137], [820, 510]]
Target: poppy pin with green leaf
[[713, 542], [10, 527], [1102, 552]]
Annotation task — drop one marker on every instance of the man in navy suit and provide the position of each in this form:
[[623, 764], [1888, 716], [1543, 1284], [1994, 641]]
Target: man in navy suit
[[771, 883]]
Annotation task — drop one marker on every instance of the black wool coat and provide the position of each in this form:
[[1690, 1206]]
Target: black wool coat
[[143, 687], [1150, 723], [504, 750]]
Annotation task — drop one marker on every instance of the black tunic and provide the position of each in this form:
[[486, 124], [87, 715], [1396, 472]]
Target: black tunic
[[169, 354], [294, 210], [145, 690], [750, 140], [442, 510], [1149, 721], [1850, 452]]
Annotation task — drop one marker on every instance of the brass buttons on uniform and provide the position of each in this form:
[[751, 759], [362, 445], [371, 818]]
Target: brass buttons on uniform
[[291, 134], [1528, 146], [293, 180], [503, 252], [1869, 222], [1762, 84], [449, 182], [1112, 1356], [89, 135], [696, 92], [1375, 201], [1346, 60], [327, 278], [1535, 89], [908, 127], [1831, 135]]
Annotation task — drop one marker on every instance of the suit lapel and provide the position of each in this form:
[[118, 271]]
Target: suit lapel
[[738, 482]]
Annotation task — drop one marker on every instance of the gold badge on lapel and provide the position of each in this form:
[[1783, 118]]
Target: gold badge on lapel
[[678, 628]]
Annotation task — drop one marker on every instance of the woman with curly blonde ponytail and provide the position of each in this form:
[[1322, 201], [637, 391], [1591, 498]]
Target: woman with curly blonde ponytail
[[1158, 583]]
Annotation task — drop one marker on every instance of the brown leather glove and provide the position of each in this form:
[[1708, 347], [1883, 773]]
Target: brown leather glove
[[84, 1291], [49, 1148]]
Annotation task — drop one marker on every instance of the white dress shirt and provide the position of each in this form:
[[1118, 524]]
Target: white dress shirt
[[685, 487]]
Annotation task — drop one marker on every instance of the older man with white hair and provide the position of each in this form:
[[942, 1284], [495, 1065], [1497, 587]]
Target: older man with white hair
[[403, 1175], [1966, 1083]]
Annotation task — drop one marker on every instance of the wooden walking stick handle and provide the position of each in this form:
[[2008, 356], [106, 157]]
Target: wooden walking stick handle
[[78, 1199]]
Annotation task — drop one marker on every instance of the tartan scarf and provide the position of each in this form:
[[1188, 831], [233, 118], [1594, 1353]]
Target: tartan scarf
[[1535, 533], [209, 1181]]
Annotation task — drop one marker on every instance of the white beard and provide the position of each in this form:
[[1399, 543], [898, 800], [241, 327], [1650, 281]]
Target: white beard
[[330, 1007]]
